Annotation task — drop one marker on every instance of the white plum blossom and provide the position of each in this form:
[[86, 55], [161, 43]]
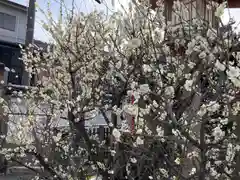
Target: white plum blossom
[[6, 69], [234, 75], [220, 9], [164, 172], [213, 172], [236, 108], [193, 171], [177, 161], [134, 43], [169, 91], [57, 137], [236, 82], [150, 177], [155, 104], [110, 172], [101, 165], [113, 152], [202, 55], [237, 147], [233, 72], [139, 131], [220, 66], [139, 141], [212, 34], [160, 131], [131, 109], [230, 153], [224, 121], [191, 65], [202, 111], [133, 160], [192, 154], [1, 100], [188, 85], [144, 89], [116, 134], [158, 88], [147, 68], [110, 124], [218, 133], [213, 106]]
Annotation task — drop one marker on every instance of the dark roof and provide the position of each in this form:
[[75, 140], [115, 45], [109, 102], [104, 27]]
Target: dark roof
[[40, 44], [37, 43], [14, 5], [43, 45]]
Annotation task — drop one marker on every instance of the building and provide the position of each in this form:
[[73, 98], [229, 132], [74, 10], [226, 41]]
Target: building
[[203, 8], [13, 20], [231, 3]]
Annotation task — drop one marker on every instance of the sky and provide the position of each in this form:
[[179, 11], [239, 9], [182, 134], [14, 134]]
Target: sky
[[87, 6]]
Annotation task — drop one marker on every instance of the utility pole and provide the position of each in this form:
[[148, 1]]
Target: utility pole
[[30, 22], [29, 35]]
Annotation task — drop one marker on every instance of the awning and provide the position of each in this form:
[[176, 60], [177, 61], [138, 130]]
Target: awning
[[234, 3]]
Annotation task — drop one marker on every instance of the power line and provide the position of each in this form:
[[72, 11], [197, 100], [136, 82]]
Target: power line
[[98, 1]]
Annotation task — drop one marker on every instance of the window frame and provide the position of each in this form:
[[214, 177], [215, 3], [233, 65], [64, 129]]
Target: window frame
[[3, 21], [190, 5]]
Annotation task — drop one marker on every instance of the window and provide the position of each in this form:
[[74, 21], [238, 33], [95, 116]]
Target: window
[[188, 12], [9, 56], [209, 12], [194, 9], [7, 21]]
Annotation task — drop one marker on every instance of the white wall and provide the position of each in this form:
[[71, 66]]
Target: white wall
[[17, 36]]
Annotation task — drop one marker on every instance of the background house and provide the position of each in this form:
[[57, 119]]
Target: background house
[[203, 8], [13, 20]]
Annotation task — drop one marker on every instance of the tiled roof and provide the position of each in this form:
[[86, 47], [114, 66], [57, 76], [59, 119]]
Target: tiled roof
[[14, 5]]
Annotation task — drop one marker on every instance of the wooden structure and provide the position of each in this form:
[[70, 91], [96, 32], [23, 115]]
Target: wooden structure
[[203, 8], [231, 3], [234, 3]]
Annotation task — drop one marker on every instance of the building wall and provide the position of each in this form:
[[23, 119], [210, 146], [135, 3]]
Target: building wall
[[17, 36]]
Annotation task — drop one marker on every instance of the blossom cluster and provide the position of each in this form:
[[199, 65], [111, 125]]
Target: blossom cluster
[[173, 94]]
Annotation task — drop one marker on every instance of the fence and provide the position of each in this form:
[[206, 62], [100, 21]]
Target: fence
[[100, 130]]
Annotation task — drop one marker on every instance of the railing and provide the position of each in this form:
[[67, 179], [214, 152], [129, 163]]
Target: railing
[[103, 133], [96, 130]]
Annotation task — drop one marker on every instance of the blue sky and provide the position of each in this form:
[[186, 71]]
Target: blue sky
[[88, 6], [82, 5]]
